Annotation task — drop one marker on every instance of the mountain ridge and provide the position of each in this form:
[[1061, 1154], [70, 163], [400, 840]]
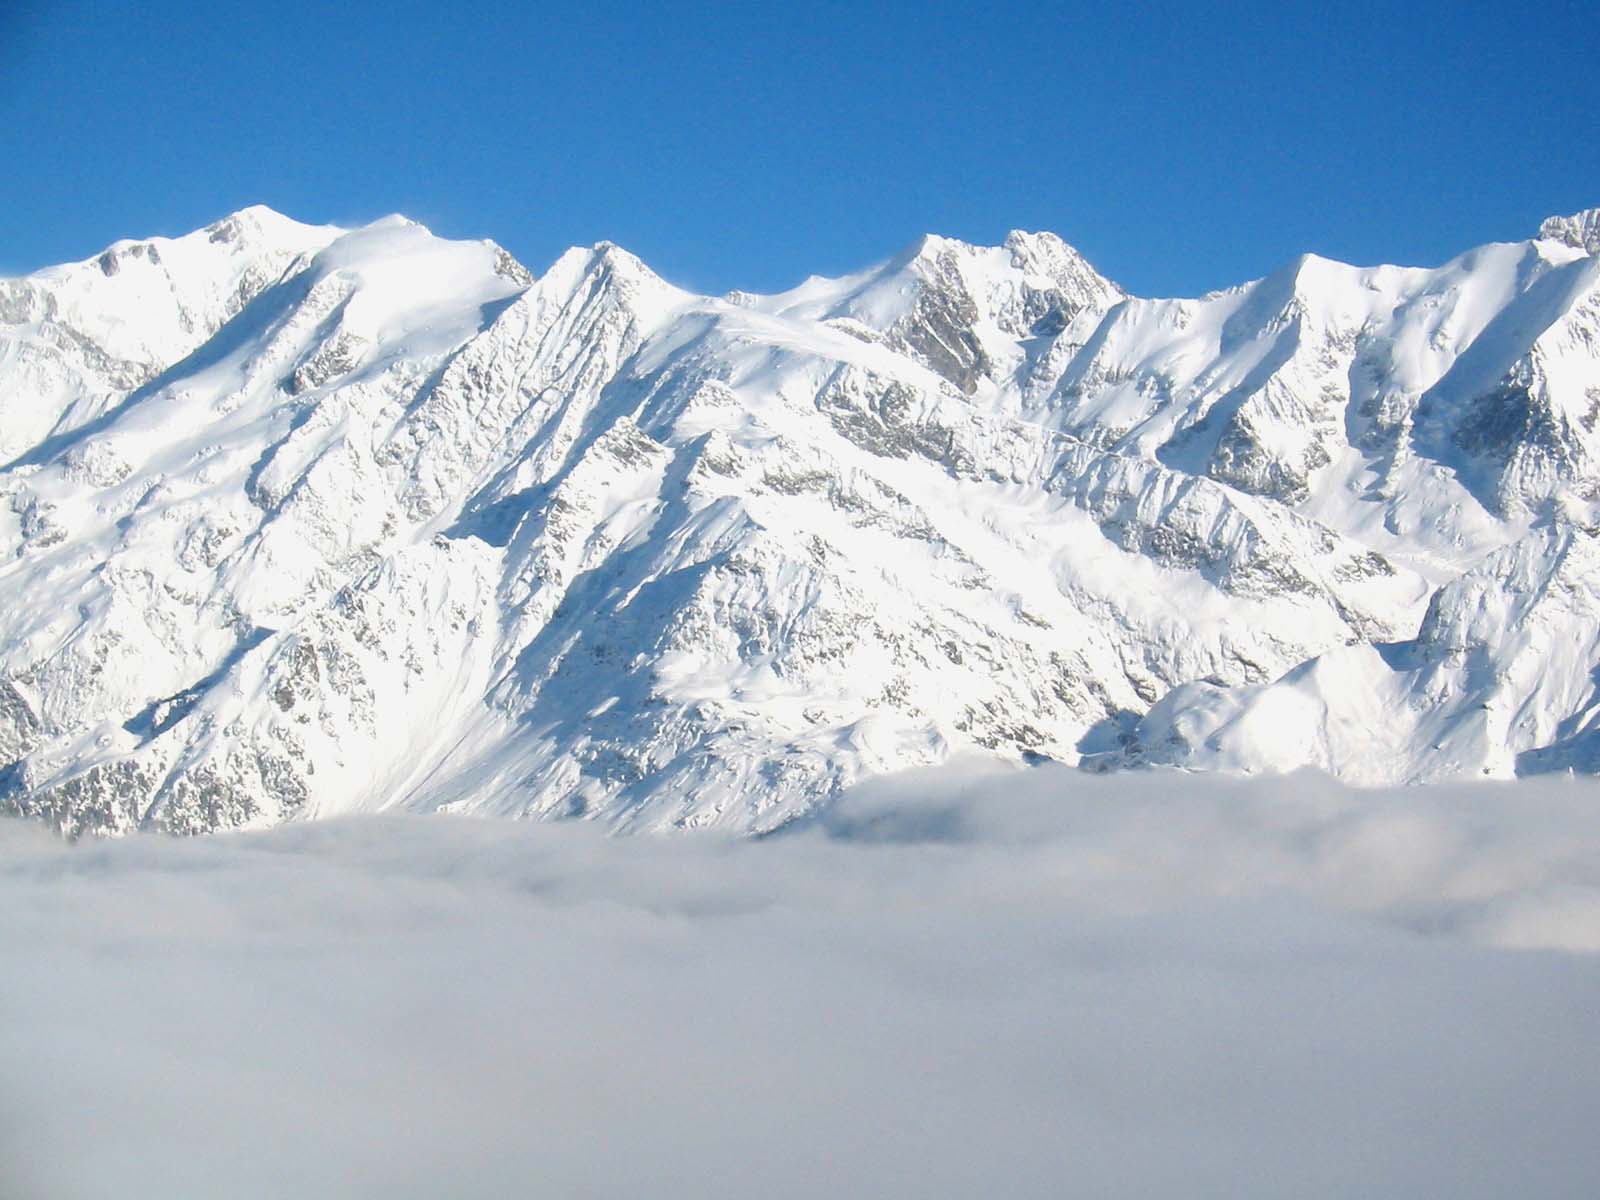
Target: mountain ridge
[[299, 521]]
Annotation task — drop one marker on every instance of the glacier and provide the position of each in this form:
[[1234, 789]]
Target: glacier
[[299, 521]]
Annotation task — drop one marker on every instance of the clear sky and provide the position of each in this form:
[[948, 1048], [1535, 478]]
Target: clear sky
[[1180, 146]]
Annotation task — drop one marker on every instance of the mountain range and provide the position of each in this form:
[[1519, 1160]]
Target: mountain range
[[298, 521]]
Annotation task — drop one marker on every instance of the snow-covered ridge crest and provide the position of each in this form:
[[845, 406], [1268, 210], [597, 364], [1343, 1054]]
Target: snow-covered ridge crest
[[297, 520]]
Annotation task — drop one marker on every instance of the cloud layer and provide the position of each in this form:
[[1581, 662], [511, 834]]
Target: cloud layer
[[962, 983]]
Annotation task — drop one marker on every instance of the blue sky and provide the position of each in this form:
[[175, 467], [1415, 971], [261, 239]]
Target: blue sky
[[1180, 147]]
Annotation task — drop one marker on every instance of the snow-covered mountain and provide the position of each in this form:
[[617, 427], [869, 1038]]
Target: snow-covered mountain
[[298, 521]]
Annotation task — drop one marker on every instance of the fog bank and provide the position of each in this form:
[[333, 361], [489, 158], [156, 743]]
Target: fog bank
[[964, 982]]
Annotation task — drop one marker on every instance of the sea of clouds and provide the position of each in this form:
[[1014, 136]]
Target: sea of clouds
[[971, 982]]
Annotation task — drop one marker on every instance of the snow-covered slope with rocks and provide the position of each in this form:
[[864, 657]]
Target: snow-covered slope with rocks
[[298, 521]]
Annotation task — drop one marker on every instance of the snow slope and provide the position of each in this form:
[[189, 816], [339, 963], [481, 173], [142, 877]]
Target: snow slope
[[298, 521]]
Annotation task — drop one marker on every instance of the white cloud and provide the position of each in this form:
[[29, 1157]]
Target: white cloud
[[961, 983]]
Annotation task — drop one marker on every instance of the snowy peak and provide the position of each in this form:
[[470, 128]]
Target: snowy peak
[[78, 336], [1581, 230], [1044, 257], [961, 310], [973, 305], [263, 230]]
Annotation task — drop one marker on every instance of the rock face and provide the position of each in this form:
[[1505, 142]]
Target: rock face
[[299, 521]]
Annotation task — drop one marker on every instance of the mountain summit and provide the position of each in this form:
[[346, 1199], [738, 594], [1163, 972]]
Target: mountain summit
[[298, 520]]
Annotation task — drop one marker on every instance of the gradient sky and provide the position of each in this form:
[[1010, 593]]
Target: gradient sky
[[1180, 147]]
